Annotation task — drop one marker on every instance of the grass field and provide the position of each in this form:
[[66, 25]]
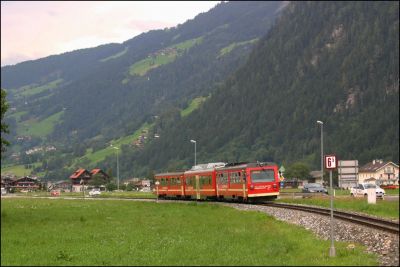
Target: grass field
[[39, 128], [101, 154], [194, 104], [388, 209], [19, 170], [340, 192], [117, 55], [125, 233], [232, 46], [163, 57], [28, 90]]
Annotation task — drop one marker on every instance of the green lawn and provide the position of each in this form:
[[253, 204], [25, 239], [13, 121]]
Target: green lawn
[[32, 90], [164, 56], [101, 154], [194, 104], [39, 128], [232, 46], [117, 55], [382, 208], [114, 232], [19, 170]]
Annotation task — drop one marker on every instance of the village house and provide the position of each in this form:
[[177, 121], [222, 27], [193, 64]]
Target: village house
[[80, 179], [104, 176], [63, 186], [379, 172], [20, 184]]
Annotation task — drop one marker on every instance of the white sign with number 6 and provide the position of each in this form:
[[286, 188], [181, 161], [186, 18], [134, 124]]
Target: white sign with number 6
[[330, 162]]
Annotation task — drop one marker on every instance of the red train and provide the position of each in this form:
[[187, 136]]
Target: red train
[[238, 181]]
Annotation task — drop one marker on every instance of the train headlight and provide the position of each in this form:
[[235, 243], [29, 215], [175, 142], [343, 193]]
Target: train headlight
[[251, 187]]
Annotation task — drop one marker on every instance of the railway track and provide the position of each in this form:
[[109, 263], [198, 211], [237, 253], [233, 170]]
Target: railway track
[[376, 223]]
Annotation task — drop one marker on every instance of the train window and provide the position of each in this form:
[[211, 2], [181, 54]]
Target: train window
[[205, 180], [263, 176], [223, 178]]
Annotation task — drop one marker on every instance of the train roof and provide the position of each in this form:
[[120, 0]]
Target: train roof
[[239, 165], [206, 167], [169, 174]]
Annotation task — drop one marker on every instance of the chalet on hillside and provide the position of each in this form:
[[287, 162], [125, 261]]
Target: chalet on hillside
[[25, 183], [100, 173], [80, 178], [64, 186]]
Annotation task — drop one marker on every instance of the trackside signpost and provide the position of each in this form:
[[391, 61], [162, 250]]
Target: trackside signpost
[[331, 164], [157, 183]]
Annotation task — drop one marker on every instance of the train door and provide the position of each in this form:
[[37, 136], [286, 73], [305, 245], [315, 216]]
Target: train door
[[197, 187]]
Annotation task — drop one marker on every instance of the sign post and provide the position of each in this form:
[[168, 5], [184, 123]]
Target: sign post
[[157, 183], [330, 164]]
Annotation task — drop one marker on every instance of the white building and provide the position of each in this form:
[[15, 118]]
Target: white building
[[380, 172]]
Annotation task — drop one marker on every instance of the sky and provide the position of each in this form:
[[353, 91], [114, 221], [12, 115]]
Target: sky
[[36, 29]]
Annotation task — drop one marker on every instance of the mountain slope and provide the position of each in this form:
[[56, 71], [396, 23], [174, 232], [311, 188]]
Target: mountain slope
[[332, 61], [105, 93]]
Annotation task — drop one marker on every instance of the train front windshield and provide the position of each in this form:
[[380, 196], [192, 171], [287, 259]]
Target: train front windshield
[[262, 176]]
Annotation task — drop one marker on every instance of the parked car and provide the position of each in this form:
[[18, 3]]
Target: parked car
[[314, 188], [55, 193], [3, 191], [95, 192], [362, 190]]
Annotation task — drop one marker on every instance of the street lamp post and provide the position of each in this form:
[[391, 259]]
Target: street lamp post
[[322, 150], [194, 141], [117, 167]]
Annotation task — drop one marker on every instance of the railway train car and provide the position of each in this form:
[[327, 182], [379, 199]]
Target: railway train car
[[238, 181], [170, 184], [247, 181], [200, 181]]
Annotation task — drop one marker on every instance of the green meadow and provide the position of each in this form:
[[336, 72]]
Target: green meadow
[[194, 104], [32, 90], [163, 57], [100, 232], [382, 208], [232, 46], [117, 55], [39, 128]]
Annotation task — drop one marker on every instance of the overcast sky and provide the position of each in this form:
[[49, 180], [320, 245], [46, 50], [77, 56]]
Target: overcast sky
[[32, 30]]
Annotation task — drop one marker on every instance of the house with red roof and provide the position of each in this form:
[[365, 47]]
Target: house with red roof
[[80, 178], [101, 173], [379, 172]]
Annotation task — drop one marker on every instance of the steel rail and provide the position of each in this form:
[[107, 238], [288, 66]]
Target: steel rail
[[389, 226]]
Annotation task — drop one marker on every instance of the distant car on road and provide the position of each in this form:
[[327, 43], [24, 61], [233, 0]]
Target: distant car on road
[[94, 192], [3, 191], [361, 190], [55, 193], [314, 188]]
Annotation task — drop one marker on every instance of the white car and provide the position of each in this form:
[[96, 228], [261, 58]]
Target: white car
[[94, 192], [362, 190]]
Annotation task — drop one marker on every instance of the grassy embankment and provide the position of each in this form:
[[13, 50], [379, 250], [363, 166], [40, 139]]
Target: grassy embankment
[[163, 57], [39, 128], [232, 46], [109, 232], [382, 208]]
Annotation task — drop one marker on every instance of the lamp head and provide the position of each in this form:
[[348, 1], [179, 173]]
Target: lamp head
[[193, 141], [320, 122]]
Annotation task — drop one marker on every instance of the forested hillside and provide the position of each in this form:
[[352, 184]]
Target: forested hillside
[[82, 101], [337, 62]]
